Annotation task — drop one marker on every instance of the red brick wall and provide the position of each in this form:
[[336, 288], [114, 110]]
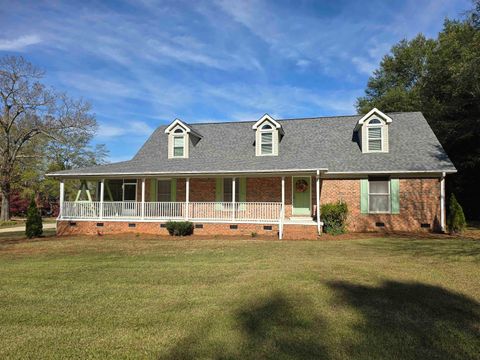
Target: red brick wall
[[120, 227], [419, 203]]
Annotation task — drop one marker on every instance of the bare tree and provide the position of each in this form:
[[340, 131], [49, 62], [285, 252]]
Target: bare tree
[[29, 111]]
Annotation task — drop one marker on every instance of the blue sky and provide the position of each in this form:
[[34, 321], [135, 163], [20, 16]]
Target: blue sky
[[143, 63]]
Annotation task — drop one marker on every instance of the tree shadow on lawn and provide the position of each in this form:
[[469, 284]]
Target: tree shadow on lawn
[[411, 321], [398, 321], [273, 327]]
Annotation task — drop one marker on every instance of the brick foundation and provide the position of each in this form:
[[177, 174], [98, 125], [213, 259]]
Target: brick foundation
[[120, 227]]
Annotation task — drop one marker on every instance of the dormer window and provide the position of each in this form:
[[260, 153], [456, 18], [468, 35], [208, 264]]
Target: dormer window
[[266, 140], [180, 135], [373, 132], [267, 136], [179, 146]]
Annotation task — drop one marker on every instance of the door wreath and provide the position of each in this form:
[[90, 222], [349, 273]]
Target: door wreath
[[301, 185]]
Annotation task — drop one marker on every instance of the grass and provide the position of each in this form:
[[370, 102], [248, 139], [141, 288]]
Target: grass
[[21, 222], [141, 297]]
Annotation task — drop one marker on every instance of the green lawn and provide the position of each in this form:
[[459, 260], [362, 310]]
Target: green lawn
[[141, 297]]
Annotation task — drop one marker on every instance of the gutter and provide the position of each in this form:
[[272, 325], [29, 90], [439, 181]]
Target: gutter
[[170, 173]]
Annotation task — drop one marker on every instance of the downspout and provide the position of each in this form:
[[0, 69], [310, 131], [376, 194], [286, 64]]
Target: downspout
[[442, 202], [317, 193]]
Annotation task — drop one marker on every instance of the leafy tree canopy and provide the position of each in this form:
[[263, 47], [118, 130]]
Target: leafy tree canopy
[[441, 78]]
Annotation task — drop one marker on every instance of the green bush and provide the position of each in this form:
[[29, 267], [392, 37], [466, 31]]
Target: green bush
[[456, 218], [334, 217], [180, 228], [33, 227]]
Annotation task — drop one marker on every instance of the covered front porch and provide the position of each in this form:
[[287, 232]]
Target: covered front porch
[[246, 199]]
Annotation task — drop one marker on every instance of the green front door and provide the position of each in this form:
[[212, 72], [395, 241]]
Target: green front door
[[301, 195]]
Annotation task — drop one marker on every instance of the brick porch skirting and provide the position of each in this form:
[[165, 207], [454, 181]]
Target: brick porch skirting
[[291, 232]]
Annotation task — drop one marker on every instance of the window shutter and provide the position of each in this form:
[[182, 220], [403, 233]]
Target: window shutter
[[243, 192], [395, 195], [173, 190], [364, 196], [218, 193]]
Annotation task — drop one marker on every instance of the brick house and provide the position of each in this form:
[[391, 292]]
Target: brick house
[[268, 177]]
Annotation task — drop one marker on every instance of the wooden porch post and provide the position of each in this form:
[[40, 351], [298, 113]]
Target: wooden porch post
[[187, 198], [233, 199], [283, 192], [143, 198], [62, 198], [318, 201], [102, 194]]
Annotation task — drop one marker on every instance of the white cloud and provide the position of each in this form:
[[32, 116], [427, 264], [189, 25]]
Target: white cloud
[[20, 43], [130, 128], [364, 65]]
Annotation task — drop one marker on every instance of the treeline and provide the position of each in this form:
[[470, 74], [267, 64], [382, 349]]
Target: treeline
[[441, 78]]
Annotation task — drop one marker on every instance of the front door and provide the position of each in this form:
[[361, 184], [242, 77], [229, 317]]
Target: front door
[[301, 191]]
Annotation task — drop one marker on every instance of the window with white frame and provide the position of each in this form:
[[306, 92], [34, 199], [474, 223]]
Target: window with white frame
[[179, 146], [375, 135], [266, 139], [129, 190], [378, 196]]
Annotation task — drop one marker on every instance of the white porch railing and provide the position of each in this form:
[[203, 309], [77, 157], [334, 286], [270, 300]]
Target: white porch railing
[[265, 212]]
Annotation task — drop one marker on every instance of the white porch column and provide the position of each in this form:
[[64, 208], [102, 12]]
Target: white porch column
[[102, 195], [283, 194], [318, 201], [62, 198], [442, 202], [233, 199], [143, 198], [187, 198]]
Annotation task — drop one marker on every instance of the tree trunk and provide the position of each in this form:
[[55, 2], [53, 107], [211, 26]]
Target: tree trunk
[[5, 210]]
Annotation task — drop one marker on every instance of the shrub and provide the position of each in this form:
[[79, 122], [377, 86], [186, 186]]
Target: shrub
[[334, 216], [456, 219], [33, 227], [179, 228]]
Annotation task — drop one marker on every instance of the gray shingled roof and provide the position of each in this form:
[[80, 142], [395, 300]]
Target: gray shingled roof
[[308, 144]]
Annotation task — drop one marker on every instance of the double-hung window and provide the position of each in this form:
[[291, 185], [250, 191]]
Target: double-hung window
[[379, 196], [266, 146], [374, 134], [266, 140], [179, 146]]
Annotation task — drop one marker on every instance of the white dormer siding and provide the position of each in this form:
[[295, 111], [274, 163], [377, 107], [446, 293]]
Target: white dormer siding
[[179, 139], [373, 131], [267, 136]]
